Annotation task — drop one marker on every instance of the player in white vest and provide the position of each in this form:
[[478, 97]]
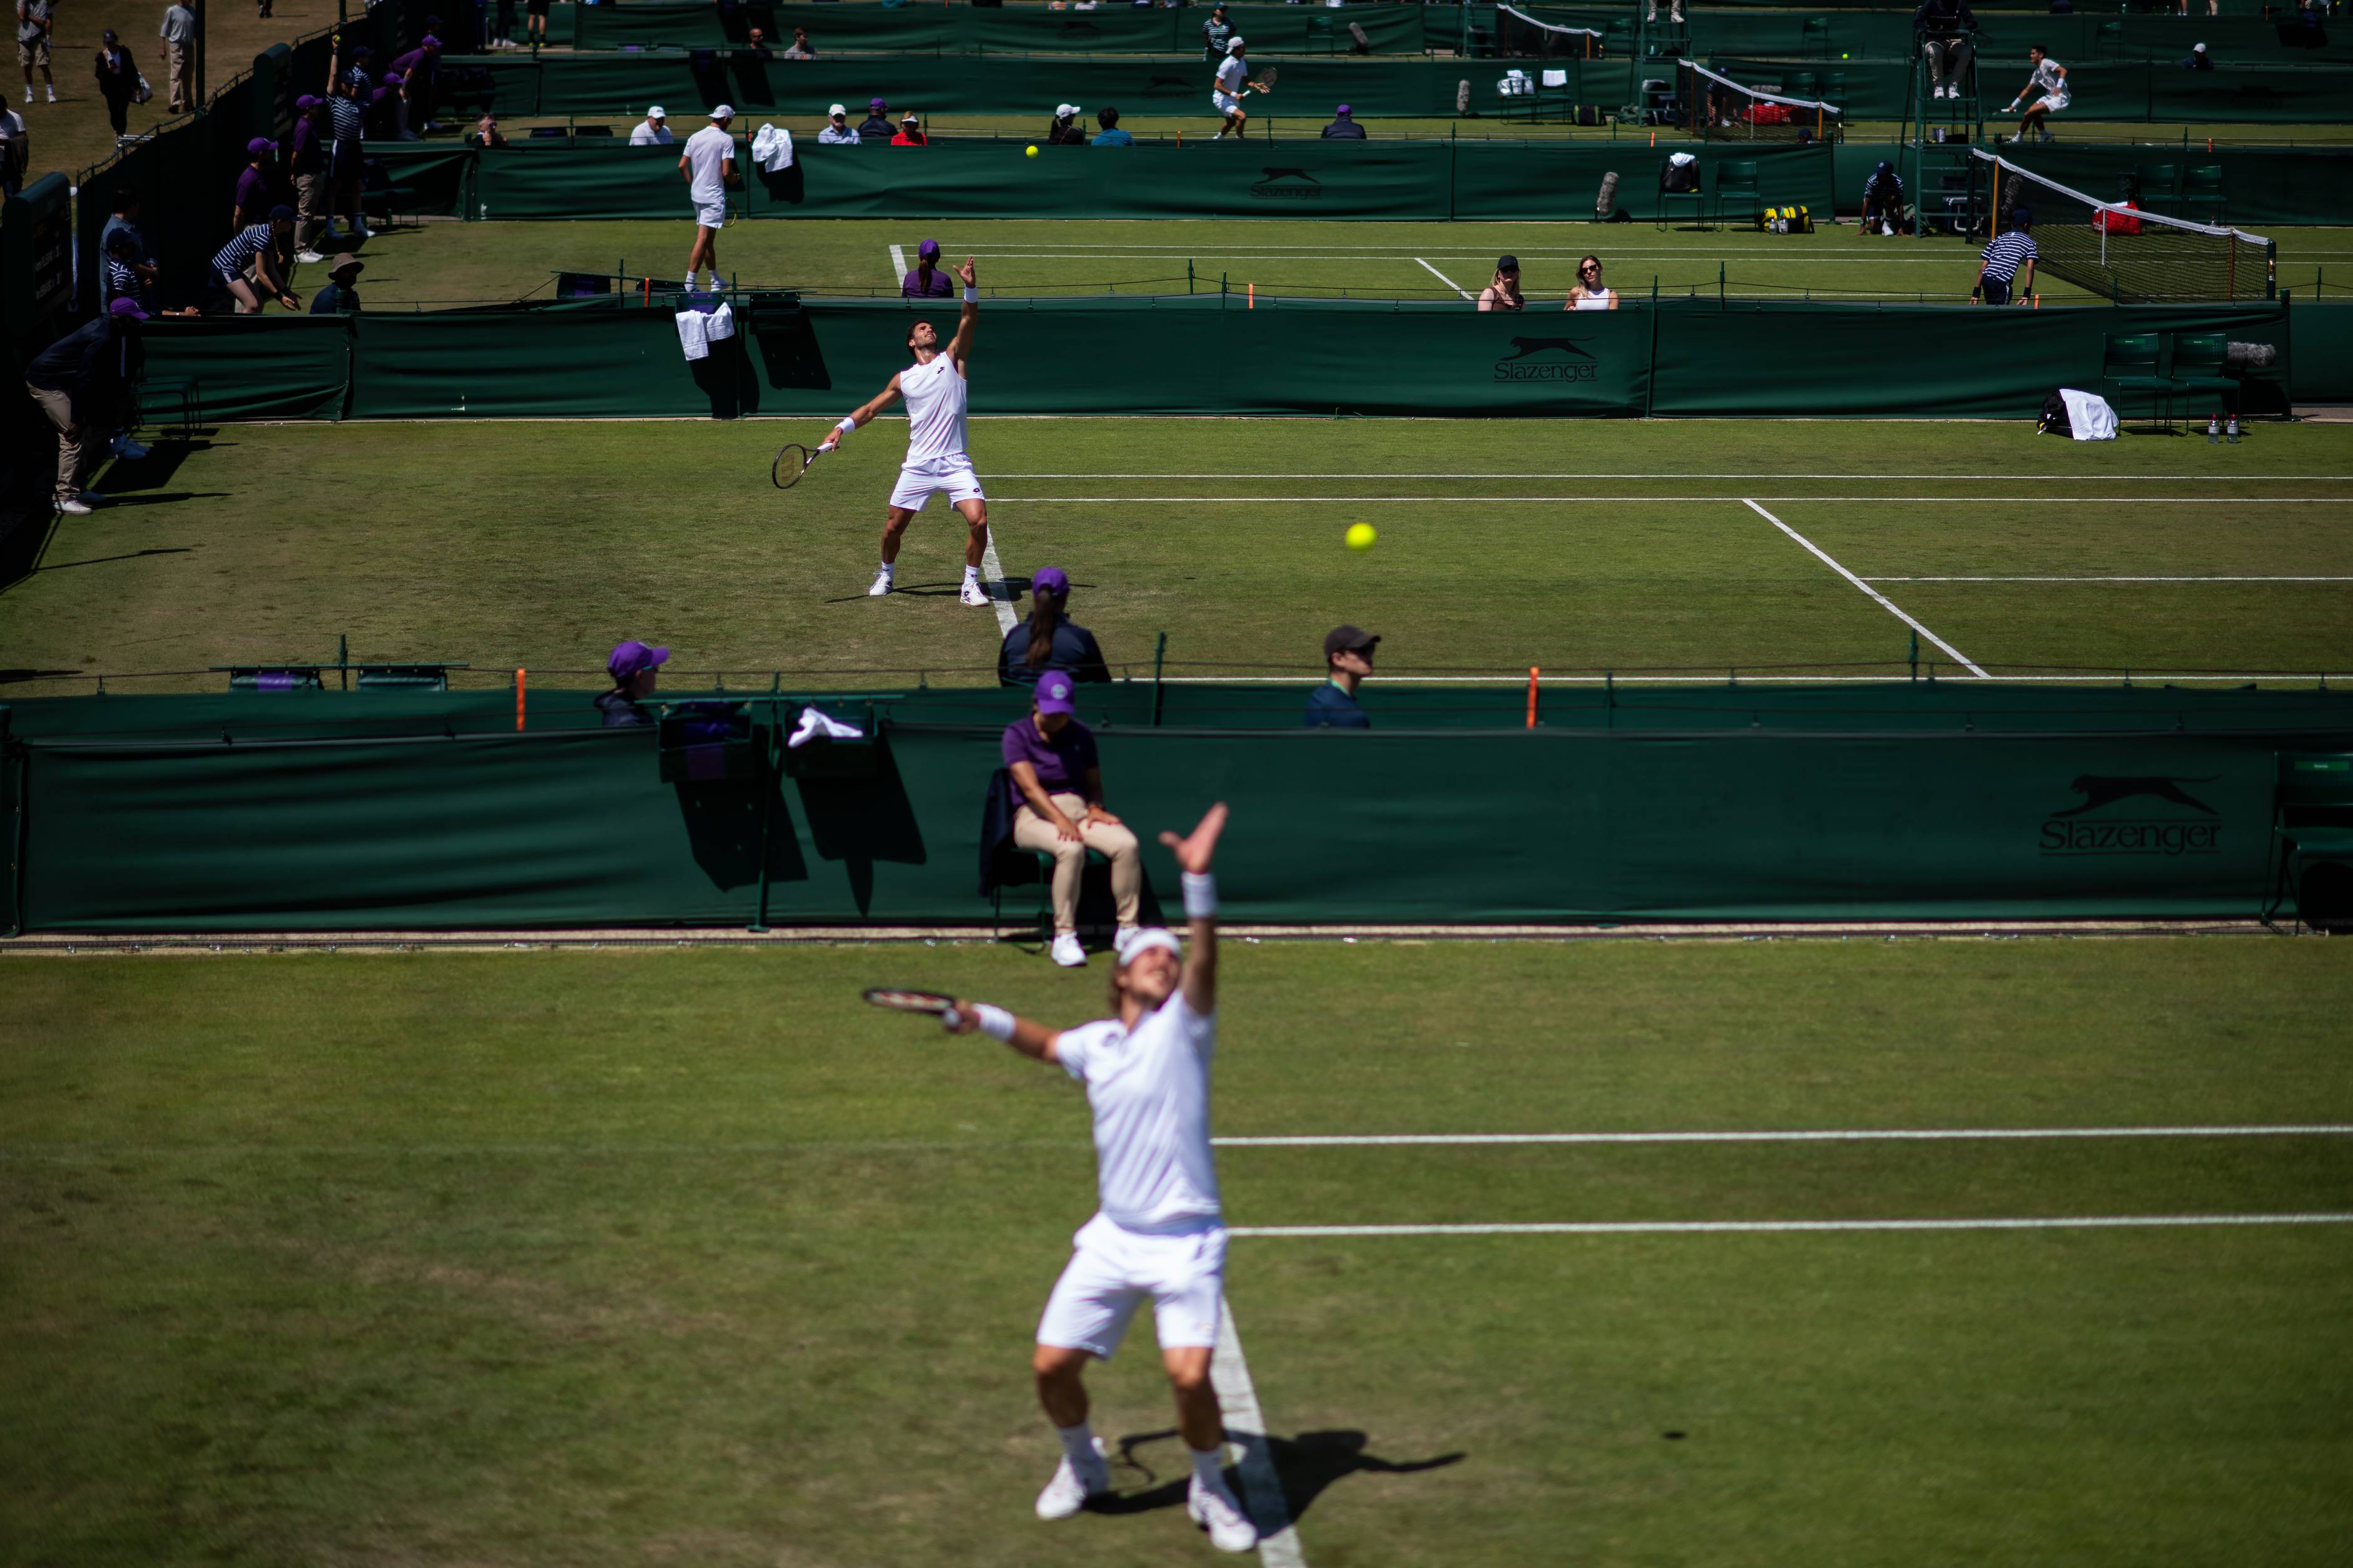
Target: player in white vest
[[1159, 1233], [935, 387]]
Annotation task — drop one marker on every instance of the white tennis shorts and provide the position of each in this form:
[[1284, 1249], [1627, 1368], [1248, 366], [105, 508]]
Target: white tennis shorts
[[1111, 1272], [2051, 104], [917, 481], [712, 214], [1227, 103]]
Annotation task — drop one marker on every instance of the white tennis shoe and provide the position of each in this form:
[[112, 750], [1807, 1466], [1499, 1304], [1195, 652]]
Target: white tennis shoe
[[882, 584], [1215, 1510], [1067, 952], [973, 594], [1066, 1494]]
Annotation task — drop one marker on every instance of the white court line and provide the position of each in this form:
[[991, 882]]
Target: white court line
[[898, 265], [1450, 282], [1278, 1538], [992, 582], [2109, 579], [1881, 600], [1694, 474], [1909, 500], [1836, 1135], [1739, 1226]]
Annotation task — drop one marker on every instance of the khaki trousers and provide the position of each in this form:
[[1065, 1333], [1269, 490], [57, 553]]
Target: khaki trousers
[[73, 449], [310, 209], [1115, 844], [182, 58]]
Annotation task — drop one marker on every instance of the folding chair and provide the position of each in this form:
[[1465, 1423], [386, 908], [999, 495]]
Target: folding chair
[[2201, 193], [1737, 181], [2197, 366], [1814, 38], [2312, 832], [2129, 363]]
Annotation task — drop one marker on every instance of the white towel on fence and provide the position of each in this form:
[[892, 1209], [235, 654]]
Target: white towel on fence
[[723, 323], [694, 334], [772, 148]]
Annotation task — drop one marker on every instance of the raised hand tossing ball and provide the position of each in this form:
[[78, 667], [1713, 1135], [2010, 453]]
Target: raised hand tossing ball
[[1361, 536]]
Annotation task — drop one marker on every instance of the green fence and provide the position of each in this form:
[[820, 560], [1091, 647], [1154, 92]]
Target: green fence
[[2136, 91], [967, 29], [1319, 357], [1969, 800]]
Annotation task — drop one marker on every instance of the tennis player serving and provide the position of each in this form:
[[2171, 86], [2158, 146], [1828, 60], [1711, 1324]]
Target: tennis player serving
[[935, 387], [1159, 1232]]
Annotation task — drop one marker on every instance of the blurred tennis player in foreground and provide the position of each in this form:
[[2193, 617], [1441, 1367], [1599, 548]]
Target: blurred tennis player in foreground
[[1159, 1232], [935, 389]]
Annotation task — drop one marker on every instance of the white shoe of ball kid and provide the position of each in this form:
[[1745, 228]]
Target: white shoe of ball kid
[[1216, 1511], [1066, 1494], [881, 586], [1067, 952]]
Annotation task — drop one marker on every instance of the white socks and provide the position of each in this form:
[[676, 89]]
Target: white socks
[[890, 569], [1210, 1468], [1079, 1446], [972, 573]]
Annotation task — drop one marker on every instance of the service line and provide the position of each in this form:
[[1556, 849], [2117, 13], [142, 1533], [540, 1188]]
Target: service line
[[1737, 1227], [1794, 1135], [1881, 600]]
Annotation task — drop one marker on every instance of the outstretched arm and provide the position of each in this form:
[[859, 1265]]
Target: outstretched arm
[[864, 414], [1032, 1039], [1193, 853], [961, 344]]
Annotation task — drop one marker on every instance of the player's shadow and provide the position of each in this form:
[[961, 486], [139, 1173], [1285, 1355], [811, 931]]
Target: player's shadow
[[918, 590], [1305, 1466]]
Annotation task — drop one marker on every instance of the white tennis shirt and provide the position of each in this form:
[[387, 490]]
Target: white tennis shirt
[[935, 403], [1149, 1089], [706, 150], [1230, 74]]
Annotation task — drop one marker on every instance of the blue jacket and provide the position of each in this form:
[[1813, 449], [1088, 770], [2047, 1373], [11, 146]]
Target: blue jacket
[[1329, 708], [1074, 652]]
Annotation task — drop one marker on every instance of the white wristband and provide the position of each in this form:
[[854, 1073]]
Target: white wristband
[[994, 1022], [1200, 896], [971, 295], [849, 423]]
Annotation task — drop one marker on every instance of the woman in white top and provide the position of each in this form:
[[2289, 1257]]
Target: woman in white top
[[2048, 87], [1589, 294]]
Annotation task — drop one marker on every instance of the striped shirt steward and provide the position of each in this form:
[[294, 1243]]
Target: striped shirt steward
[[2007, 253], [240, 252]]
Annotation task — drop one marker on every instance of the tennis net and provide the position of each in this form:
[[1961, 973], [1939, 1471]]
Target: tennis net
[[1717, 108], [1519, 34], [2119, 252]]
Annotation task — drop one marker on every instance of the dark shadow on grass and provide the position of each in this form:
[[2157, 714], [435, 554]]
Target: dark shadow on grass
[[918, 590], [128, 476], [1306, 1465], [22, 540], [103, 560], [8, 675], [162, 498]]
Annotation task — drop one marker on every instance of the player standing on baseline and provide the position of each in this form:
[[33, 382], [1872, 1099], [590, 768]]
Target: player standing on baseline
[[1225, 91], [1159, 1232], [936, 390]]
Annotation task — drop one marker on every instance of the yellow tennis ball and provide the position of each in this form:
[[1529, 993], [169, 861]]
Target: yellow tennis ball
[[1361, 536], [1029, 152]]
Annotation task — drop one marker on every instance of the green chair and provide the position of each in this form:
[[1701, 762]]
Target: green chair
[[2110, 43], [2311, 852], [1618, 39], [1800, 84], [1814, 38], [2201, 193], [2130, 365], [1834, 87], [1736, 192], [1697, 196], [2156, 186], [2197, 366], [1319, 36], [1478, 30]]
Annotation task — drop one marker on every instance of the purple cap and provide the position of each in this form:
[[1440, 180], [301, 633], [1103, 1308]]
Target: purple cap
[[125, 305], [1344, 108], [306, 101], [878, 104], [629, 657], [391, 78], [258, 145], [429, 42], [1054, 688], [929, 248], [1051, 580]]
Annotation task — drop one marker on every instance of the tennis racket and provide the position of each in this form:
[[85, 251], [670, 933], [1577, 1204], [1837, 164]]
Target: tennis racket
[[1265, 83], [791, 463], [930, 1002]]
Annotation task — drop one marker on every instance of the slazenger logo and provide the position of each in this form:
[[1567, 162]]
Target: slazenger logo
[[1524, 363], [2069, 832], [1286, 184]]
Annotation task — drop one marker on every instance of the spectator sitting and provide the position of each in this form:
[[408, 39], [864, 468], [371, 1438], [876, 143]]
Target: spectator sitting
[[2197, 59], [486, 132], [1883, 200], [758, 47], [309, 164], [247, 265], [837, 132], [341, 297], [1111, 135], [655, 132], [1588, 292], [1063, 131], [253, 197], [1342, 128], [875, 126], [911, 131], [802, 48], [1503, 292], [79, 382], [1058, 777], [929, 281], [1048, 641], [15, 149], [1347, 660], [118, 83], [633, 668]]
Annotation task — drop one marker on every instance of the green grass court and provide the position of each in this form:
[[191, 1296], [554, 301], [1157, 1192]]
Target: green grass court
[[659, 1258], [1578, 546], [440, 265]]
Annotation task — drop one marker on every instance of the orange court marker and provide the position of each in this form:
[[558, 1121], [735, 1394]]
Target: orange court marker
[[519, 702], [1253, 298], [1533, 673]]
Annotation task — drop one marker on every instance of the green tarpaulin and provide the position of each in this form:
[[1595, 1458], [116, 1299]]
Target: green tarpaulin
[[968, 29], [2133, 91]]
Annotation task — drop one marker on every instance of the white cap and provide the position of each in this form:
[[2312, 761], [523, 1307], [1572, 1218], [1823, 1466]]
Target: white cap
[[724, 111], [2198, 49], [1233, 44], [1132, 945], [837, 109], [656, 111], [1064, 110]]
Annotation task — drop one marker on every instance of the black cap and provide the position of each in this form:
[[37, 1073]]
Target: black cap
[[1507, 264], [1348, 639]]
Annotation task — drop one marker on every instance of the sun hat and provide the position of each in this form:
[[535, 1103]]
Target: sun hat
[[1064, 110], [1054, 688], [838, 112], [910, 118], [629, 657], [349, 267], [1051, 580]]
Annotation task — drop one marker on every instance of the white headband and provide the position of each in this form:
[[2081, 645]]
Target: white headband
[[1144, 941]]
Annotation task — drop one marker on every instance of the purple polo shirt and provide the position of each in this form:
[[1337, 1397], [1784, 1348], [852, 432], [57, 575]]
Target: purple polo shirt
[[415, 60], [308, 157], [912, 287], [252, 192], [1062, 762]]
